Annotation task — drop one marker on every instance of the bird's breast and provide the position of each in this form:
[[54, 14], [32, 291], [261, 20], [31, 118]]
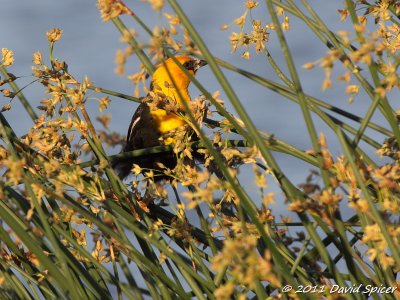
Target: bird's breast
[[166, 121]]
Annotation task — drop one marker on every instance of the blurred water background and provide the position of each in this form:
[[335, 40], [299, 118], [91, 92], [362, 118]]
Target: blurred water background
[[89, 45]]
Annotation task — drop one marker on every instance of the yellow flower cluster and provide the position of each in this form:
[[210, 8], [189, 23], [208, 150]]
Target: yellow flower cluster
[[110, 9], [370, 48], [246, 267]]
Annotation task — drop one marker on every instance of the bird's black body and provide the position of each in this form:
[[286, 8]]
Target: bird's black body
[[143, 133]]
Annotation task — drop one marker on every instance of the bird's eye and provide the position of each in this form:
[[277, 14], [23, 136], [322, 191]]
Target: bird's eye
[[188, 65]]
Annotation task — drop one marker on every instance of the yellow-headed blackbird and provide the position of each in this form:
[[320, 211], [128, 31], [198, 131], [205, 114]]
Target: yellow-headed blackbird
[[149, 125]]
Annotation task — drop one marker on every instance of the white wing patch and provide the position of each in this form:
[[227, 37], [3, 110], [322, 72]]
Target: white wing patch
[[131, 128]]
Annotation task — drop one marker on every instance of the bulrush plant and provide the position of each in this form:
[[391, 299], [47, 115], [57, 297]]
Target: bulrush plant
[[72, 229]]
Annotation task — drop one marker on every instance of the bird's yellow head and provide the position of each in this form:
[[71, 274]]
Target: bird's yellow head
[[169, 68]]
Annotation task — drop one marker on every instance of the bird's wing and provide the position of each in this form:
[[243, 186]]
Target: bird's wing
[[133, 126]]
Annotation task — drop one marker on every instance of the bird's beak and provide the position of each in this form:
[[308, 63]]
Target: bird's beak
[[198, 63], [201, 63]]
